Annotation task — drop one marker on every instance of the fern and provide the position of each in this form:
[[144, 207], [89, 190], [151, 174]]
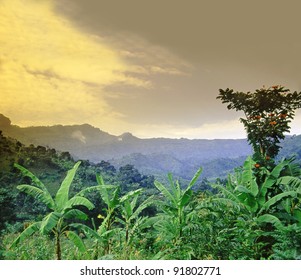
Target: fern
[[288, 243]]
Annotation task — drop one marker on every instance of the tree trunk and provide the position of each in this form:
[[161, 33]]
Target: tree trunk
[[127, 234], [58, 247]]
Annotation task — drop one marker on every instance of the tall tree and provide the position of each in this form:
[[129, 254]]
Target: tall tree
[[268, 113]]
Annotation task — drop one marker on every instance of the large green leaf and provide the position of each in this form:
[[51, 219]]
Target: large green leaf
[[87, 230], [39, 194], [294, 182], [225, 202], [186, 197], [227, 193], [111, 199], [278, 168], [49, 222], [77, 241], [268, 218], [75, 214], [276, 199], [195, 177], [149, 201], [95, 188], [134, 201], [103, 227], [175, 190], [248, 179], [115, 201], [27, 232], [243, 189], [78, 201], [99, 180], [129, 195], [230, 184], [34, 179], [109, 194], [251, 204], [165, 192], [127, 209], [272, 177], [48, 199], [62, 194]]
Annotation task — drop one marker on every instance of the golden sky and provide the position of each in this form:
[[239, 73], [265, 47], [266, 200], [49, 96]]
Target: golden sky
[[153, 70], [50, 72]]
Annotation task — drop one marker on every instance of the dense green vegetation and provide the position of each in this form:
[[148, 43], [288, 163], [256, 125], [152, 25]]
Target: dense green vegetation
[[53, 207], [254, 214]]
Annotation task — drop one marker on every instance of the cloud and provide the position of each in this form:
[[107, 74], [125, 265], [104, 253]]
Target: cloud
[[53, 73], [56, 68], [170, 71], [77, 134]]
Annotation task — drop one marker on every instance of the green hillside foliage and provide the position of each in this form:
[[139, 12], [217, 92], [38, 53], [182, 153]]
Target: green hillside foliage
[[50, 167], [55, 208]]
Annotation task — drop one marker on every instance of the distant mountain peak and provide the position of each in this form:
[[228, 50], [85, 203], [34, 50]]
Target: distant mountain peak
[[127, 136]]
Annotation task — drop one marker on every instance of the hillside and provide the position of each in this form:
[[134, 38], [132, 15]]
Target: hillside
[[154, 156], [87, 142], [50, 167]]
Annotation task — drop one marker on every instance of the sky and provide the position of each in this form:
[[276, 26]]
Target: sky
[[152, 68]]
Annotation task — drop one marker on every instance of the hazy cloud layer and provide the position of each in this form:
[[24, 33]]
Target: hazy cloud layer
[[150, 67]]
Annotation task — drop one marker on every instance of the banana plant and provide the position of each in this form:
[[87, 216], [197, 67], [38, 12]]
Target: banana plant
[[131, 219], [292, 206], [257, 197], [174, 204], [62, 209], [110, 194]]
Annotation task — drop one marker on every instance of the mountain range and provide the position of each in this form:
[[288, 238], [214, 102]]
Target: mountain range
[[151, 156]]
